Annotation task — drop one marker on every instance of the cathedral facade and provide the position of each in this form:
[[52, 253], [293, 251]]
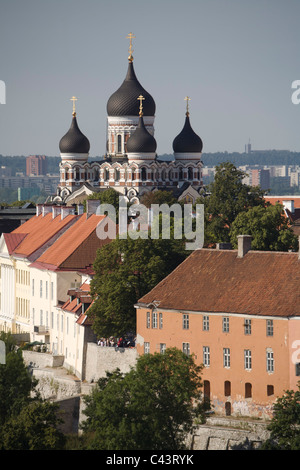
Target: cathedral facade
[[131, 165]]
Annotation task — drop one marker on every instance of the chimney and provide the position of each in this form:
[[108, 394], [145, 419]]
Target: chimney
[[46, 209], [92, 206], [244, 245], [56, 210], [65, 211], [39, 209], [80, 209]]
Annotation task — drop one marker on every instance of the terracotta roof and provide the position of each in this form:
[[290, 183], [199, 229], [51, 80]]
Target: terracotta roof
[[39, 230], [12, 240], [260, 283], [76, 248], [282, 199]]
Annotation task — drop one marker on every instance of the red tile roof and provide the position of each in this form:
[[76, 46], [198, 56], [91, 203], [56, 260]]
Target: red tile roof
[[40, 230], [282, 199], [12, 240], [76, 248], [260, 283]]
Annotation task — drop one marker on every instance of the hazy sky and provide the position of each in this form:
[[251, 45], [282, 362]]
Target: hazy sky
[[236, 59]]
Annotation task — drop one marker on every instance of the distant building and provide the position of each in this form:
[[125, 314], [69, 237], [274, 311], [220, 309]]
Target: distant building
[[261, 178], [36, 165]]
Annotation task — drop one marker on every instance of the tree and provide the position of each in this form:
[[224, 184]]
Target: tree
[[158, 197], [34, 428], [16, 384], [108, 196], [125, 270], [227, 197], [285, 424], [152, 407], [268, 227]]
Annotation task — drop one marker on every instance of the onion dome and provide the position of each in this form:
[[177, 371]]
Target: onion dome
[[187, 141], [141, 141], [123, 101], [74, 141]]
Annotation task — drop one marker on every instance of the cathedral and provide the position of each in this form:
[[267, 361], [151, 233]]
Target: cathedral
[[131, 165]]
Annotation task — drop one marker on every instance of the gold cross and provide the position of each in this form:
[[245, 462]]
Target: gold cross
[[141, 98], [130, 37], [74, 99], [187, 99]]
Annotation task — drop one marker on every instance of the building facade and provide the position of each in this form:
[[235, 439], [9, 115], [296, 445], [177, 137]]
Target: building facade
[[237, 312]]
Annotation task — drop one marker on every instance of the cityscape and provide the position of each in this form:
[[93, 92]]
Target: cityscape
[[119, 331]]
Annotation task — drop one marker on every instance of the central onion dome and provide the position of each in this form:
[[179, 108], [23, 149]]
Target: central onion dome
[[123, 101], [74, 141], [187, 141], [141, 141]]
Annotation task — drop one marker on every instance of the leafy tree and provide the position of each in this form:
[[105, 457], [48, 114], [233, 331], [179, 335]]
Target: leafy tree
[[152, 407], [285, 424], [268, 227], [158, 197], [227, 197], [34, 428], [16, 383], [125, 270]]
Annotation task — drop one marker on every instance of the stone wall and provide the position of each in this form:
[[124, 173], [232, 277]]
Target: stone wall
[[35, 359], [101, 359]]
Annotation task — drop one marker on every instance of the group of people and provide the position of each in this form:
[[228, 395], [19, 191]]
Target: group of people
[[119, 342]]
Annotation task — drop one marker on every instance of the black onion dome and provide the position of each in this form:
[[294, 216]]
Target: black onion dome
[[187, 141], [141, 140], [124, 101], [74, 141]]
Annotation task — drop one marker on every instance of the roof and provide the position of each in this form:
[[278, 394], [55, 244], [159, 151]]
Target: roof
[[38, 231], [74, 304], [76, 248], [12, 240], [124, 101], [282, 199], [260, 283], [187, 140], [74, 141]]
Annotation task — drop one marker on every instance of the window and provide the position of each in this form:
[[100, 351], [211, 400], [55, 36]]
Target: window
[[52, 291], [227, 388], [62, 323], [270, 361], [270, 390], [225, 325], [269, 327], [46, 289], [41, 317], [41, 289], [148, 320], [186, 348], [205, 323], [160, 320], [185, 321], [32, 286], [52, 320], [247, 327], [226, 357], [119, 140], [144, 174], [154, 319], [146, 348], [206, 356], [248, 390], [33, 315], [162, 348], [247, 359]]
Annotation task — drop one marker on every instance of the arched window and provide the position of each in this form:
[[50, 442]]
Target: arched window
[[77, 174], [190, 173], [180, 174], [227, 388], [106, 174], [117, 174], [248, 390], [119, 145], [144, 174]]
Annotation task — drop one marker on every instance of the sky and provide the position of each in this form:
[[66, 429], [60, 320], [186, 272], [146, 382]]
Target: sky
[[235, 59]]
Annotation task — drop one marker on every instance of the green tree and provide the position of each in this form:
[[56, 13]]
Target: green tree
[[34, 428], [108, 196], [227, 197], [16, 384], [152, 407], [268, 227], [125, 270], [285, 424], [158, 197]]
